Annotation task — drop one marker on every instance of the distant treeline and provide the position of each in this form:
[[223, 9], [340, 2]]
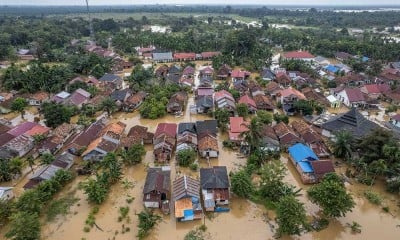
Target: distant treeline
[[291, 15]]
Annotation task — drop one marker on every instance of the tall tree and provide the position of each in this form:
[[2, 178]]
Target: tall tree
[[19, 105], [253, 135], [291, 216], [24, 226], [342, 144], [56, 114], [322, 194], [133, 155], [108, 105], [241, 184]]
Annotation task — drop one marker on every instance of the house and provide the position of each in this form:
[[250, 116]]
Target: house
[[352, 79], [108, 141], [78, 98], [283, 79], [352, 121], [249, 102], [164, 141], [63, 161], [315, 95], [187, 137], [267, 75], [208, 146], [121, 96], [285, 135], [177, 102], [389, 75], [207, 71], [174, 74], [237, 126], [272, 89], [204, 103], [375, 91], [157, 188], [395, 65], [392, 96], [144, 50], [351, 97], [224, 99], [395, 120], [83, 139], [137, 135], [162, 57], [188, 71], [37, 130], [321, 61], [331, 69], [162, 71], [270, 142], [333, 101], [223, 72], [92, 82], [184, 56], [186, 196], [38, 98], [321, 168], [111, 80], [25, 54], [263, 103], [299, 55], [288, 97], [242, 86], [238, 75], [61, 97], [311, 138], [7, 193], [301, 156], [209, 55], [343, 56], [214, 187], [134, 101], [207, 127], [21, 145], [59, 136]]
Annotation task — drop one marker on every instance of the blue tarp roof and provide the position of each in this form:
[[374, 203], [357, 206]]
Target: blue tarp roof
[[332, 68], [306, 167], [300, 152], [364, 59]]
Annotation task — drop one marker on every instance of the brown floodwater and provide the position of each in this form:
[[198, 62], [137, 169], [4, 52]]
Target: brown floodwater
[[246, 220]]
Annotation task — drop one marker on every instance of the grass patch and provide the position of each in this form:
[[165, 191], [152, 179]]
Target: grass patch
[[373, 197], [60, 207], [196, 234], [123, 212]]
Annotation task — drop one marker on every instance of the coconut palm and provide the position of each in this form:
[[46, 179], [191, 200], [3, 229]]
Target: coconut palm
[[253, 135], [342, 145]]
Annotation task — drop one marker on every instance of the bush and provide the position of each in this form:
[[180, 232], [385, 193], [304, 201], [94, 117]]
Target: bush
[[373, 197], [147, 220], [194, 166], [186, 157]]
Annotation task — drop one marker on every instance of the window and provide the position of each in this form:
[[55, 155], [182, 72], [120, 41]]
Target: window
[[148, 196]]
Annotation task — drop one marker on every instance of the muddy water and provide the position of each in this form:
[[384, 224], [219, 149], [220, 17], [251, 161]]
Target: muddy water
[[244, 221]]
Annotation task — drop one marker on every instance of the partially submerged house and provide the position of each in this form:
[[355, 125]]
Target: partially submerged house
[[214, 187], [223, 72], [286, 136], [187, 136], [177, 102], [311, 138], [237, 126], [301, 156], [207, 138], [111, 80], [270, 141], [157, 188], [187, 201], [164, 141], [352, 97], [134, 101], [249, 102], [298, 55], [263, 103], [288, 97], [352, 121], [224, 99]]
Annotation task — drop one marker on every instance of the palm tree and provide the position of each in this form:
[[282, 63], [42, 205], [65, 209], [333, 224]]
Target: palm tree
[[108, 105], [342, 145], [377, 168], [253, 135]]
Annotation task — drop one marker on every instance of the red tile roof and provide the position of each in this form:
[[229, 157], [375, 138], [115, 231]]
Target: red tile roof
[[167, 128], [22, 128], [291, 91], [223, 94], [248, 101], [354, 94], [38, 130], [372, 88], [237, 124], [238, 74], [184, 55], [210, 54], [298, 55]]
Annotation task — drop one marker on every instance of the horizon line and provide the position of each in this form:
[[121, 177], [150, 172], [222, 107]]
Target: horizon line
[[208, 4]]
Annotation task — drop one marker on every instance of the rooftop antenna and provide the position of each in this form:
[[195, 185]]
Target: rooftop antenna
[[90, 20]]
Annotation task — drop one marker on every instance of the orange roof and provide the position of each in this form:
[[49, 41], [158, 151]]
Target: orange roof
[[92, 145], [40, 96], [298, 55], [248, 101], [291, 91], [184, 55], [181, 205], [237, 125], [38, 130], [117, 128]]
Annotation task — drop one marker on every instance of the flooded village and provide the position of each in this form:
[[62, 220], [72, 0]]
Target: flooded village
[[174, 144]]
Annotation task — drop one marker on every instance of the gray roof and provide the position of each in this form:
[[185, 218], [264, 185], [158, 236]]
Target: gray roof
[[352, 121], [109, 77], [186, 187], [157, 179], [183, 127], [65, 160], [45, 173], [204, 101], [162, 56], [207, 126], [215, 177], [120, 95], [267, 73]]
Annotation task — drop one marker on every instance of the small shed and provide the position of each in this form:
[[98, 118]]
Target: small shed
[[6, 193], [335, 103]]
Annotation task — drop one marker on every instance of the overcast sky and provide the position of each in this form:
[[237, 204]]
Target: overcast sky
[[231, 2]]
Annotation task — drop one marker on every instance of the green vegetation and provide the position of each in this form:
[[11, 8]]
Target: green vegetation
[[155, 104], [108, 105], [123, 213], [373, 197], [60, 206], [321, 194], [241, 184], [47, 158], [56, 114], [264, 117], [242, 110], [186, 157], [291, 217], [281, 118], [147, 220], [133, 155], [19, 105], [222, 115], [196, 234], [10, 168], [24, 226]]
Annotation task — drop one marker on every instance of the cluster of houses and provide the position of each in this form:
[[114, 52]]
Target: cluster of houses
[[188, 194]]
